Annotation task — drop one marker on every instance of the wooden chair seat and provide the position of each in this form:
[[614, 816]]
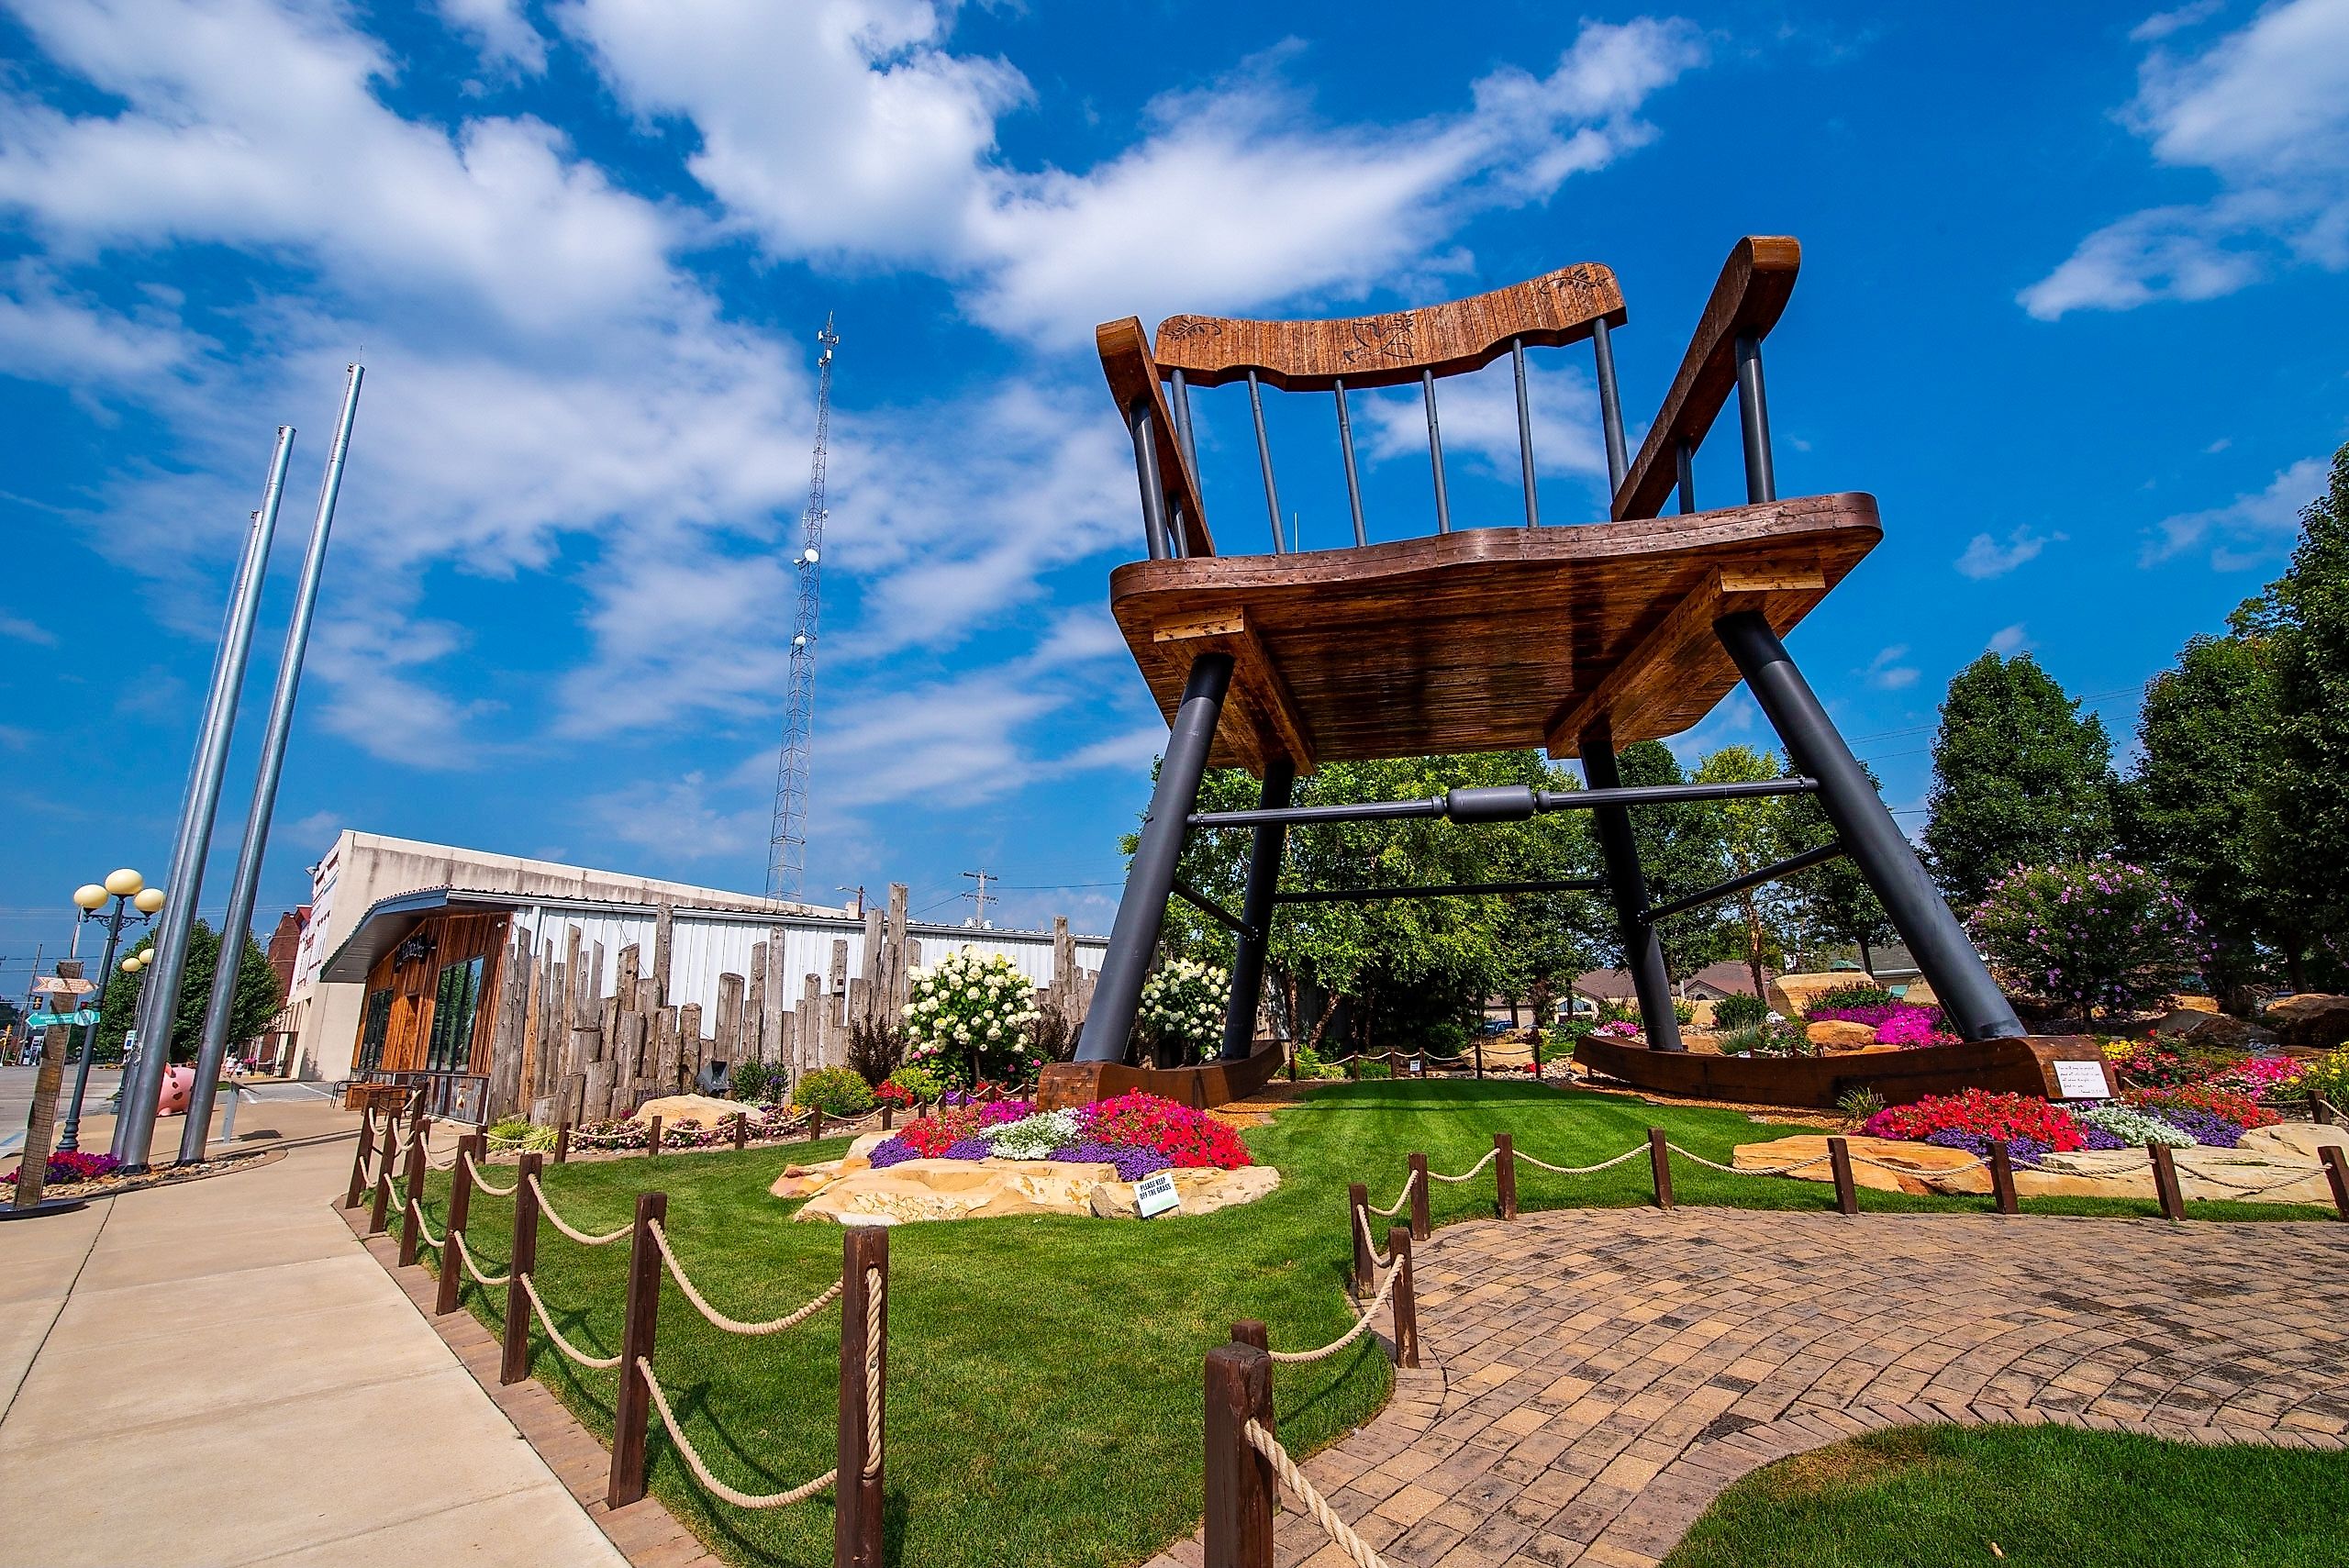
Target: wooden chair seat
[[1483, 638]]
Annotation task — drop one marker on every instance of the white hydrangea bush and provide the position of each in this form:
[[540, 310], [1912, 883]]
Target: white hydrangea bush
[[972, 1013], [1183, 1001]]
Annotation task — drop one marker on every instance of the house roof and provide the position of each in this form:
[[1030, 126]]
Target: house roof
[[1615, 984]]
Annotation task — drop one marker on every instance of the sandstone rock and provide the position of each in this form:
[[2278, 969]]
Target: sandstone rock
[[1921, 991], [806, 1181], [1925, 1167], [2311, 1018], [1202, 1192], [958, 1189], [2194, 1003], [1790, 994], [2294, 1141], [1834, 1035], [675, 1109], [2210, 1028]]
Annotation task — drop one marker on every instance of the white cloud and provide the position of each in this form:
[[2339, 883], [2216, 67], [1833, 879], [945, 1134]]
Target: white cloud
[[2246, 531], [1887, 673], [27, 631], [2265, 110], [1986, 556], [500, 30], [885, 152], [2008, 640], [2161, 24], [678, 820]]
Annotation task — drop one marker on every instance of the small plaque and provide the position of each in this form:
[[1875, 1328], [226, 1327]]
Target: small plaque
[[1154, 1195], [1417, 1067], [2081, 1081]]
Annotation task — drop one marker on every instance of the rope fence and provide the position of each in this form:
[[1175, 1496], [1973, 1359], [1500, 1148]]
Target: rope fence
[[857, 1480]]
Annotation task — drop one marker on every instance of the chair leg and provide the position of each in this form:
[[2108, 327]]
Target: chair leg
[[1256, 915], [1142, 909], [1642, 953], [1874, 842]]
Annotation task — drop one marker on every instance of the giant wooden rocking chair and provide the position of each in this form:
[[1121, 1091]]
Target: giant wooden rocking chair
[[1579, 638]]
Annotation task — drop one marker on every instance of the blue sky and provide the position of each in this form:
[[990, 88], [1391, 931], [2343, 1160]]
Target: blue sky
[[2072, 307]]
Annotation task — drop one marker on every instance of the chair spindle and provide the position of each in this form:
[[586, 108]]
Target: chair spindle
[[1435, 454], [1153, 486], [1264, 457], [1524, 433], [1753, 417], [1353, 481], [1684, 469], [1610, 405]]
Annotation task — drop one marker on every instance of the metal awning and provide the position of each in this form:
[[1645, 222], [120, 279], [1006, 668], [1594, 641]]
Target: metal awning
[[388, 922]]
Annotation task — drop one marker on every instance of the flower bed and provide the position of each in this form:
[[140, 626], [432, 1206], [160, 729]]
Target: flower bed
[[77, 1165], [2179, 1117], [766, 1121], [1906, 1024], [1138, 1133]]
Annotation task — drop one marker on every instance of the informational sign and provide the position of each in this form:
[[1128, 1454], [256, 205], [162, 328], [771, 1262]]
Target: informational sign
[[1154, 1195], [1417, 1067], [2081, 1081], [81, 1020]]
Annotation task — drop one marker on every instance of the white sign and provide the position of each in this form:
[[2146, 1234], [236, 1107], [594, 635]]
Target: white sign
[[2081, 1081], [1417, 1067], [1154, 1195]]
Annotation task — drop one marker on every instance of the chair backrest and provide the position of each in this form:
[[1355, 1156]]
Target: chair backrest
[[1424, 345]]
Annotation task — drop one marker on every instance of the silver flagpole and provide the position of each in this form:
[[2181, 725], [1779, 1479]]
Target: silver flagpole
[[242, 891], [158, 997]]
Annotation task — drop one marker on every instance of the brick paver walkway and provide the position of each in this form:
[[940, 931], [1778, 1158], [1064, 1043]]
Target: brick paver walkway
[[1593, 1379]]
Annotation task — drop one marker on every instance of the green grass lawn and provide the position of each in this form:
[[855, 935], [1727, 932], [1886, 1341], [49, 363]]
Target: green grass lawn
[[1045, 1373], [2049, 1498]]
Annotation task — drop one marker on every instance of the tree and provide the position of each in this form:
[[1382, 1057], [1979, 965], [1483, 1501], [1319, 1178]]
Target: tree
[[2305, 793], [2097, 933], [2193, 807], [1754, 831], [1681, 850], [2021, 776], [258, 995], [1834, 901]]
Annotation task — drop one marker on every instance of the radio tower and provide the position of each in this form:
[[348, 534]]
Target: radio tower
[[787, 842]]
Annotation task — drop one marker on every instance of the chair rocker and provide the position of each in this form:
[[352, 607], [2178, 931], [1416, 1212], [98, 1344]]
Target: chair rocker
[[1581, 638]]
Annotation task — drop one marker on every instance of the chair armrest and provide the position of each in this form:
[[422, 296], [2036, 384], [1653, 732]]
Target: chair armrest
[[1746, 302], [1133, 377]]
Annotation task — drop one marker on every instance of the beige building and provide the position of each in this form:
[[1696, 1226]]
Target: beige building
[[364, 869]]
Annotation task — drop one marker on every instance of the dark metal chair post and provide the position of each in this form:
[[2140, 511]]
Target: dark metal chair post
[[1256, 915], [1643, 949], [1265, 460], [1143, 424], [1142, 908], [1354, 479], [1610, 405], [1525, 434], [1754, 420], [1683, 467], [1868, 833], [1435, 455]]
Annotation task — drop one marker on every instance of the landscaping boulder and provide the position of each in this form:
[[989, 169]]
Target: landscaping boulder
[[1920, 1163], [1834, 1035], [1202, 1191], [700, 1109], [2192, 1004], [806, 1181], [1790, 994], [958, 1189], [2312, 1020], [2211, 1027]]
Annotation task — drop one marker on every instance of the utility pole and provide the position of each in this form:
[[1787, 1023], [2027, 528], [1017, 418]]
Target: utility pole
[[787, 839], [858, 891], [980, 895]]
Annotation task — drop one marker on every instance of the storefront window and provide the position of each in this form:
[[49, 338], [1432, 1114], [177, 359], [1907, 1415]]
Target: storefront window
[[377, 1025], [452, 1017]]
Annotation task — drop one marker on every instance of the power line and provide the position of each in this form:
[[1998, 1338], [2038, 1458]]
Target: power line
[[980, 895]]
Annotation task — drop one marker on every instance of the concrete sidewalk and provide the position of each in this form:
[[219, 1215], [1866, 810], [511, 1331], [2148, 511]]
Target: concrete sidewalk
[[218, 1374]]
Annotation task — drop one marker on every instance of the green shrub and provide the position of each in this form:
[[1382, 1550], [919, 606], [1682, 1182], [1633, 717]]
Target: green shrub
[[1572, 1030], [1310, 1065], [1740, 1011], [517, 1132], [1685, 1013], [835, 1091], [1858, 1105], [1849, 996], [923, 1084], [1371, 1067], [1768, 1040], [758, 1083]]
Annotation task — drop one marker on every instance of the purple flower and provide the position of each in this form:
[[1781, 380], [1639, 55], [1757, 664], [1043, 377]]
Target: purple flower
[[895, 1151], [1132, 1164]]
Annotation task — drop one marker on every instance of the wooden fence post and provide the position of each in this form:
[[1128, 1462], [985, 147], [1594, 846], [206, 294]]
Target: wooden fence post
[[1406, 1312], [412, 1184], [2320, 1112], [815, 1123], [1242, 1485], [381, 1214], [1660, 1166], [2165, 1182], [1839, 1162], [1505, 1175], [562, 1144], [652, 1140], [1251, 1331], [632, 1409], [1480, 1057], [741, 1132], [516, 1364], [857, 1494], [1421, 1227], [2002, 1176], [888, 1116], [460, 1203], [2336, 1172], [1358, 1228], [359, 1158], [1353, 1067]]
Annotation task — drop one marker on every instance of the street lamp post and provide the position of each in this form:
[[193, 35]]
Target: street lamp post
[[129, 892]]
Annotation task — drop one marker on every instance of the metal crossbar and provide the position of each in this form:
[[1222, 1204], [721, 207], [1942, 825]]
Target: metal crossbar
[[1511, 803]]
